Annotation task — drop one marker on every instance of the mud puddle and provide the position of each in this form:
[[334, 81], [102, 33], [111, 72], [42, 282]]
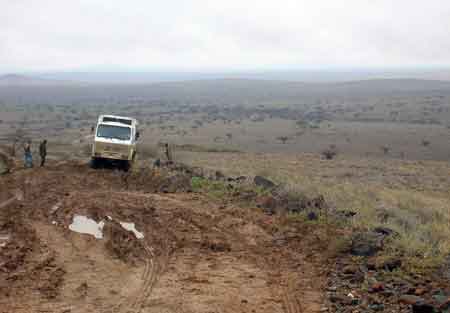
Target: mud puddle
[[84, 225]]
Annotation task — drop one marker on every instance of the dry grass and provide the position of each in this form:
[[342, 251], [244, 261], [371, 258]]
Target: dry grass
[[410, 197], [147, 151]]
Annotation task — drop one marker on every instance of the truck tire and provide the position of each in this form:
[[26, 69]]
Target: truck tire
[[126, 166], [94, 163]]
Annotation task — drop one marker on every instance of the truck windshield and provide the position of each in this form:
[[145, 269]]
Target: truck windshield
[[114, 132]]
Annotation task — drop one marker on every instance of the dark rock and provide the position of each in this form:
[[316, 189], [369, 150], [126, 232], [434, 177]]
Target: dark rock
[[422, 307], [263, 182], [389, 264], [345, 213], [371, 264], [332, 288], [219, 175], [350, 269], [340, 299], [366, 244], [377, 307], [420, 291], [387, 293], [384, 231], [376, 287], [410, 299], [4, 164]]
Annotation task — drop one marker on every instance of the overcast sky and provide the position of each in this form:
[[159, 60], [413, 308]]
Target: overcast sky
[[42, 35]]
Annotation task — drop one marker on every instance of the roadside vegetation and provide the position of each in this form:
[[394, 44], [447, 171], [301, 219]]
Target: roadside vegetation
[[411, 198]]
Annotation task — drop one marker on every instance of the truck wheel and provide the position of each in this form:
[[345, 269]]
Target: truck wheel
[[126, 166], [94, 163]]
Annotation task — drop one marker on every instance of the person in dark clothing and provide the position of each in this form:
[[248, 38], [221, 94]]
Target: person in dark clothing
[[43, 151], [168, 153], [27, 154]]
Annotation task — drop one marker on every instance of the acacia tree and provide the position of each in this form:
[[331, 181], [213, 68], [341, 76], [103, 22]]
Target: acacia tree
[[385, 149], [283, 139]]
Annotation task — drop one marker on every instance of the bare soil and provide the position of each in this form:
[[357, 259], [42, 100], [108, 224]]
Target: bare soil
[[198, 255]]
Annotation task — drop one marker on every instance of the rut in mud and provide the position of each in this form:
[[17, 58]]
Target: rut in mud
[[196, 255]]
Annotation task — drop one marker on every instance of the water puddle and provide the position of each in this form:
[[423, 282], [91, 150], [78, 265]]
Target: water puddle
[[131, 227], [4, 240], [84, 225]]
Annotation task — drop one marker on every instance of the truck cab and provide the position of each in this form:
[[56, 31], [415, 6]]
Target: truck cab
[[115, 141]]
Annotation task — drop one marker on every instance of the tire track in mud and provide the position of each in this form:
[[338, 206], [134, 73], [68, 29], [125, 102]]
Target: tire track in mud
[[291, 304], [149, 280], [155, 266]]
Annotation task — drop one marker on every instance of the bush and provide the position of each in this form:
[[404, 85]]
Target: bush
[[215, 189], [330, 152]]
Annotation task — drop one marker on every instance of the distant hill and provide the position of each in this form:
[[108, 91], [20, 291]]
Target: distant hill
[[324, 76], [24, 89], [22, 80]]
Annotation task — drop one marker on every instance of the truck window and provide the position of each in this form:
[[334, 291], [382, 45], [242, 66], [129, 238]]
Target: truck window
[[114, 132]]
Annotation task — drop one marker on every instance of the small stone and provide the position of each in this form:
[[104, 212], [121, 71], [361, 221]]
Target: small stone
[[377, 287], [390, 264], [384, 231], [376, 307], [387, 293], [350, 269], [263, 182], [410, 299], [420, 291], [332, 288], [341, 299]]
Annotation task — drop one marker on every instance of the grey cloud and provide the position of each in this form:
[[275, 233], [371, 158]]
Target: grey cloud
[[197, 34]]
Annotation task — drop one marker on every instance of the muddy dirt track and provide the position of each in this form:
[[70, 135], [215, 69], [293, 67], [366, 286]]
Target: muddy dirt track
[[197, 255]]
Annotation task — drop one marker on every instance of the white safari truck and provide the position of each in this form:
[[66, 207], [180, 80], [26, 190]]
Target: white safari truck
[[115, 141]]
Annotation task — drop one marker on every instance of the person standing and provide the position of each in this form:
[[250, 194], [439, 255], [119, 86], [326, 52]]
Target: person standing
[[168, 153], [27, 154], [43, 151]]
